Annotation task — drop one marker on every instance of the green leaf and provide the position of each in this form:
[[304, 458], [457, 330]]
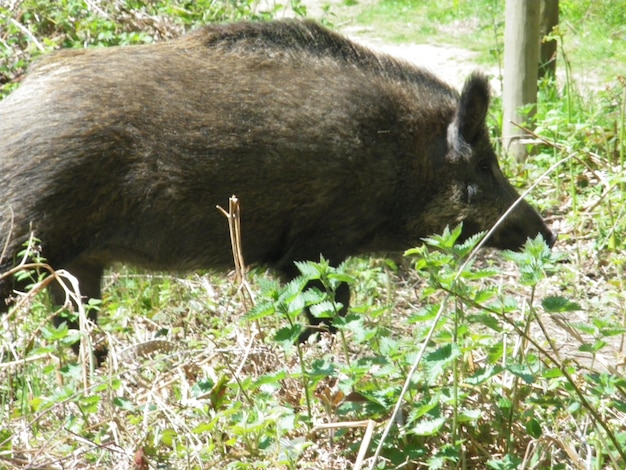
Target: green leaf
[[425, 314], [534, 428], [341, 277], [446, 240], [612, 331], [533, 261], [204, 428], [269, 287], [309, 270], [585, 328], [322, 368], [470, 416], [167, 436], [552, 373], [504, 402], [289, 334], [6, 441], [482, 375], [260, 310], [522, 372], [619, 406], [90, 404], [50, 333], [487, 320], [202, 387], [554, 304], [292, 289], [325, 309], [444, 354], [509, 462], [351, 322], [124, 404], [593, 348], [436, 362], [420, 409], [428, 427], [482, 296], [271, 379], [465, 248], [72, 370]]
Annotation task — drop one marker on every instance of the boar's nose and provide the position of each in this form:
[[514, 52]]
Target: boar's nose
[[550, 237]]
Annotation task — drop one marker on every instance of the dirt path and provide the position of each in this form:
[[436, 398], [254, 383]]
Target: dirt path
[[451, 64]]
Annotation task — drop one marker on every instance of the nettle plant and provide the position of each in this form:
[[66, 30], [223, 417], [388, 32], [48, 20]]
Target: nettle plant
[[472, 372]]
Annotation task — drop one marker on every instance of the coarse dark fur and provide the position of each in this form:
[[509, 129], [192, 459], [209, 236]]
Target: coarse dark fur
[[121, 154]]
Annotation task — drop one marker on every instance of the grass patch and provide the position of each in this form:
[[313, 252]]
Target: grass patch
[[593, 34], [463, 23]]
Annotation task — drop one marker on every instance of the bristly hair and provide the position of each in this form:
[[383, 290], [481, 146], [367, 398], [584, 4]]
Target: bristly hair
[[311, 38]]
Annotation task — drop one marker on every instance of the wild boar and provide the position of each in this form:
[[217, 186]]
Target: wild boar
[[121, 154]]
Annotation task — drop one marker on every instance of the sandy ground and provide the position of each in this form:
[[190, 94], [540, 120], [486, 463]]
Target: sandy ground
[[451, 64]]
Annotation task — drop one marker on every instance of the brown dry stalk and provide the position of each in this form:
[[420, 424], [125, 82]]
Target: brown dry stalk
[[234, 226]]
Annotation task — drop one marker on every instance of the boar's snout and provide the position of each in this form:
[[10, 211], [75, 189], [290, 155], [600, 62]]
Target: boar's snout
[[550, 237], [523, 223]]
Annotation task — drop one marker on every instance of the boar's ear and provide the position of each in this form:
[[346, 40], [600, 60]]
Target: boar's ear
[[473, 106]]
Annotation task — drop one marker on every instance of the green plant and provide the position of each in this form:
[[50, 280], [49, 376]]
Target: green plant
[[514, 373], [32, 27]]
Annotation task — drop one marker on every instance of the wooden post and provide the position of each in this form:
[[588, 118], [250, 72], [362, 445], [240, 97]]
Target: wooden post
[[521, 63]]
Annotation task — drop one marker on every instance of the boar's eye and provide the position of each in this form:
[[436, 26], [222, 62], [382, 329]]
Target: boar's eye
[[484, 166]]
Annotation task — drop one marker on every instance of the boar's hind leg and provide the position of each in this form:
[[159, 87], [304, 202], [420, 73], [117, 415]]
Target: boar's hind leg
[[89, 275]]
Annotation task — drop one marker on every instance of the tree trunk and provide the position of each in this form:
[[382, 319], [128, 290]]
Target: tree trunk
[[549, 19]]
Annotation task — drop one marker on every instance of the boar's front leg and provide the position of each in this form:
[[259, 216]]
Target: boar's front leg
[[342, 295]]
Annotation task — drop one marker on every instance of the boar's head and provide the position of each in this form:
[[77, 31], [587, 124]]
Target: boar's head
[[469, 184]]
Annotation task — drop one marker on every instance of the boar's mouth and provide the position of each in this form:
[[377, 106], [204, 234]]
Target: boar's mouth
[[510, 235]]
